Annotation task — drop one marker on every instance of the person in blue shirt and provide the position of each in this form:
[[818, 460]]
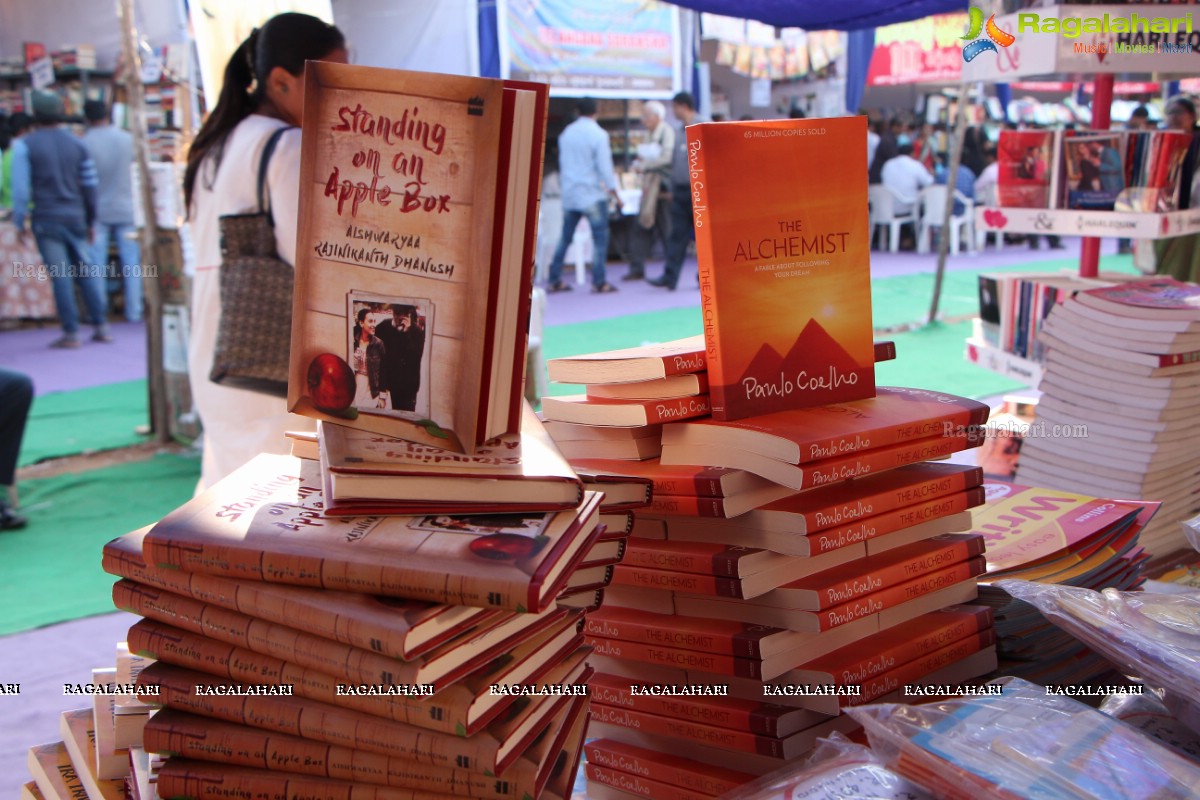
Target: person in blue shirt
[[585, 170], [112, 152], [57, 174], [964, 182]]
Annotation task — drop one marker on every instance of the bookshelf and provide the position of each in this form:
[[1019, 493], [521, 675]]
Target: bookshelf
[[1075, 222], [1002, 362]]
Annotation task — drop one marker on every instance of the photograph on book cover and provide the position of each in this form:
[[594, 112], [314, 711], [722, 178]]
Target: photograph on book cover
[[389, 351], [528, 525], [1095, 175]]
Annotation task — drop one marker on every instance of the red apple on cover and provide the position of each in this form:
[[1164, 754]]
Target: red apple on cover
[[330, 383]]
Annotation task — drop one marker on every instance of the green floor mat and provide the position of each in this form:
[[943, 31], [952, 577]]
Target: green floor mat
[[85, 420], [51, 567]]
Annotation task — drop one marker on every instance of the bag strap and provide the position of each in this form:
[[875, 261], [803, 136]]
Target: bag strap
[[264, 195]]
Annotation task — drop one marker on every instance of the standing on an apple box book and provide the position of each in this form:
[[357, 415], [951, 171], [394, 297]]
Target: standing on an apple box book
[[418, 205], [785, 274]]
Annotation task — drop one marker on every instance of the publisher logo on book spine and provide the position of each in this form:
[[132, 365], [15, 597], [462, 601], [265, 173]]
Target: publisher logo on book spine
[[976, 45]]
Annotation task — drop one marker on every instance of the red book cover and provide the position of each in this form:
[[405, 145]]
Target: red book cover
[[1025, 160], [714, 663], [723, 637], [703, 558], [784, 275], [636, 786], [815, 434], [674, 479], [664, 768]]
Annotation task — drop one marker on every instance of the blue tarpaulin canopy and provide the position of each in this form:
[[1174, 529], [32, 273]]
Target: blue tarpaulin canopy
[[820, 15]]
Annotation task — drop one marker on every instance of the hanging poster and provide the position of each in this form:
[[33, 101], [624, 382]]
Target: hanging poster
[[594, 48]]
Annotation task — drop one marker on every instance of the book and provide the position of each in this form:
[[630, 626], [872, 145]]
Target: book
[[676, 479], [78, 730], [1027, 160], [53, 773], [1157, 300], [495, 748], [568, 432], [806, 435], [642, 363], [264, 522], [663, 768], [584, 410], [419, 208], [784, 277], [460, 709], [1120, 316], [812, 475], [1057, 333], [366, 473], [403, 629], [1094, 172], [622, 449], [688, 385], [438, 668], [205, 780], [612, 784], [622, 491], [30, 791]]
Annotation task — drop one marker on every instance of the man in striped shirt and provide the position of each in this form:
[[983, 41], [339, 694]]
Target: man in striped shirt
[[55, 172]]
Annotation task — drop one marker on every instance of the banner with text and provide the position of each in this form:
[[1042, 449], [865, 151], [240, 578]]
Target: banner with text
[[922, 51]]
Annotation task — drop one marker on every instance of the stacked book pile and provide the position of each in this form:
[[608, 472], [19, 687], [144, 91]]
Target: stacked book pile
[[1054, 537], [100, 755], [1118, 396], [298, 652]]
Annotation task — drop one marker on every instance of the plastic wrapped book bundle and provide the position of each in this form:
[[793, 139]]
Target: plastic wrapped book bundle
[[1148, 714], [1155, 637], [836, 768], [1024, 742]]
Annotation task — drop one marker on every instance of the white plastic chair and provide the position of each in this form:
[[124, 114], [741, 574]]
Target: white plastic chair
[[883, 212], [580, 251], [932, 205]]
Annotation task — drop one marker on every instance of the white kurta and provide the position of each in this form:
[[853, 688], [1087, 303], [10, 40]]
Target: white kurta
[[238, 424]]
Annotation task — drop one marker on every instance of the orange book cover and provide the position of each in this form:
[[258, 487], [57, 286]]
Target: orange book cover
[[393, 627], [780, 210], [265, 522], [664, 768], [833, 430], [460, 709]]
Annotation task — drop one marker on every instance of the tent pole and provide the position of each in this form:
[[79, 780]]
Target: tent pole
[[156, 383], [956, 145]]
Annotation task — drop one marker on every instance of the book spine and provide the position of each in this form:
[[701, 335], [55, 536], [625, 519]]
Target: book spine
[[913, 671], [640, 787], [892, 521], [656, 554], [887, 598], [200, 780], [443, 712], [855, 465], [685, 506], [676, 409], [704, 778], [674, 657], [885, 351], [659, 630], [869, 666], [888, 575], [172, 733], [626, 575], [960, 417], [187, 691], [756, 718], [862, 507], [689, 731], [702, 221], [268, 638]]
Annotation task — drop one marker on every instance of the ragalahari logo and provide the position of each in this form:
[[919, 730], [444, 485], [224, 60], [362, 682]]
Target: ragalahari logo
[[975, 26]]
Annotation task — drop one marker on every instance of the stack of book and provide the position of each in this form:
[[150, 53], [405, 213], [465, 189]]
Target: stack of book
[[1051, 536], [299, 652], [1115, 418], [100, 749]]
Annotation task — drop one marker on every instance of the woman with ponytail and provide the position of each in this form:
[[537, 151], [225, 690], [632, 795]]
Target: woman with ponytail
[[263, 91]]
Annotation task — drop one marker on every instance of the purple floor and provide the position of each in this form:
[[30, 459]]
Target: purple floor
[[92, 364]]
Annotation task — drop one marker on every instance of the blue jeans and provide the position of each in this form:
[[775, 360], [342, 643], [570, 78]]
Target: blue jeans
[[68, 258], [130, 263], [681, 232], [597, 217]]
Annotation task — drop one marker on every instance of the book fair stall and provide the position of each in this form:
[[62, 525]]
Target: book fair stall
[[728, 565]]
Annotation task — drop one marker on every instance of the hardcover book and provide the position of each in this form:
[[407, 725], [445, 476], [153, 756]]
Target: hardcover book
[[367, 473], [265, 522], [418, 207], [784, 274]]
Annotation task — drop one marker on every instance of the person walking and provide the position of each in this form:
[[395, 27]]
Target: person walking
[[112, 151], [682, 225], [654, 214], [55, 173], [585, 170]]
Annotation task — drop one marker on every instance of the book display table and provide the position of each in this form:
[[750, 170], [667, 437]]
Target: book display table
[[23, 295], [1075, 222]]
